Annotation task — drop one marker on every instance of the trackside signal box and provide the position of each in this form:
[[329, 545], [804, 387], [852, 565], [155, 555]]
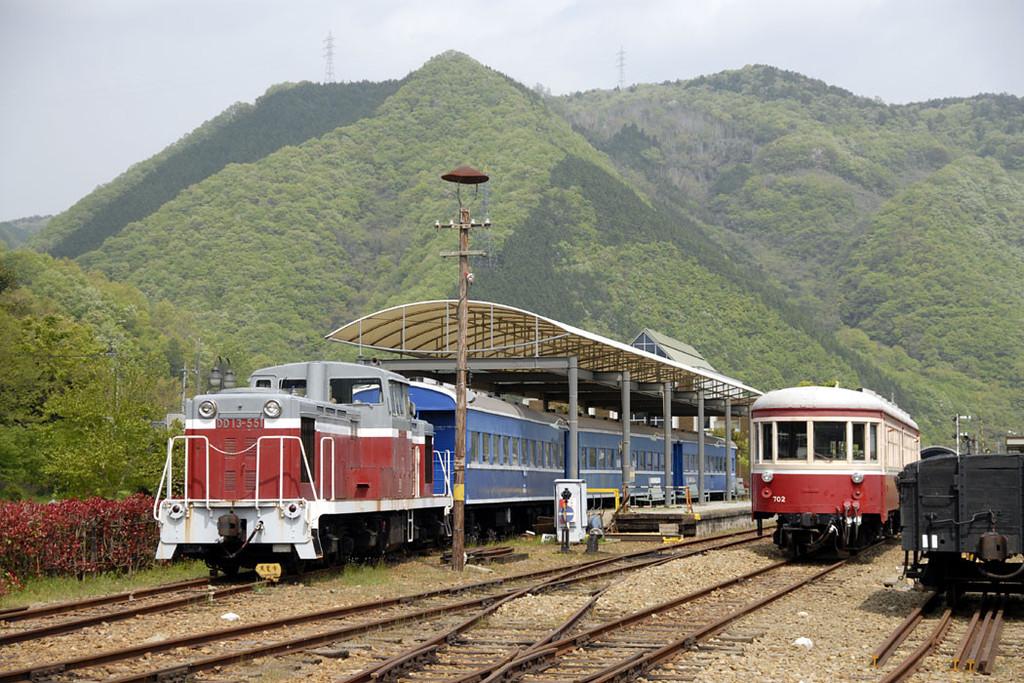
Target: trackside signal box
[[571, 509]]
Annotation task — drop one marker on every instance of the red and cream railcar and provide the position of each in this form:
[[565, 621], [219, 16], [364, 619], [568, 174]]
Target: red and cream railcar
[[825, 462], [296, 467]]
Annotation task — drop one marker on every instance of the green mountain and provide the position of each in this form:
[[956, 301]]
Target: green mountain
[[898, 228], [18, 231], [789, 229], [287, 114]]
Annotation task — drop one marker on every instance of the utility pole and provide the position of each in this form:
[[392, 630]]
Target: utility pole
[[463, 175], [622, 67], [329, 58]]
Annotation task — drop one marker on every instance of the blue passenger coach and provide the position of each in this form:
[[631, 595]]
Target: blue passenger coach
[[514, 454]]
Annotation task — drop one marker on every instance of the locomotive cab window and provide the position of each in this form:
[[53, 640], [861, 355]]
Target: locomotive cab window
[[792, 443], [348, 390], [264, 383], [296, 387], [829, 441], [399, 394]]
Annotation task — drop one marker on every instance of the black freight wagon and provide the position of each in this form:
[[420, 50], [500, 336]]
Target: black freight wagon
[[963, 519]]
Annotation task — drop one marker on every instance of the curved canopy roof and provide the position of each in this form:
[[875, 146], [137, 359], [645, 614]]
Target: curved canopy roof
[[427, 329]]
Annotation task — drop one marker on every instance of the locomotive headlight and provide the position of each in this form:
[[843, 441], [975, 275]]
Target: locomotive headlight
[[857, 477], [207, 409], [767, 477], [272, 409]]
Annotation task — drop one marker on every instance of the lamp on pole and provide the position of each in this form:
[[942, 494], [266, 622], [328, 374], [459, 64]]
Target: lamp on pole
[[463, 175]]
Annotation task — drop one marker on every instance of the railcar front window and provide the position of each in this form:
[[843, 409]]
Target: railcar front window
[[485, 452], [829, 441], [766, 441], [873, 442], [859, 446], [792, 440]]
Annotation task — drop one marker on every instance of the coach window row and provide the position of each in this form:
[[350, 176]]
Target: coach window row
[[829, 441], [500, 449]]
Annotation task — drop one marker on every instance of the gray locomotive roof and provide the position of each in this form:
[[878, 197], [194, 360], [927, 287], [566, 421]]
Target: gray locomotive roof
[[333, 369]]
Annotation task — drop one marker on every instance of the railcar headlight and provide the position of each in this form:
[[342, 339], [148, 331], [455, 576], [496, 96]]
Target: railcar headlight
[[272, 409], [857, 477], [767, 477], [207, 409]]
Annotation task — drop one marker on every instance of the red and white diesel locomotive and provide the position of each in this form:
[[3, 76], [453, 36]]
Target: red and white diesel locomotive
[[825, 462], [295, 467]]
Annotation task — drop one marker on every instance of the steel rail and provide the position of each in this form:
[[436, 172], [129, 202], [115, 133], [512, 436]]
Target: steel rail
[[533, 659], [424, 649], [900, 633], [638, 665], [21, 613], [559, 632], [909, 665], [959, 657], [93, 619], [212, 636], [554, 634], [990, 648], [427, 650], [980, 632]]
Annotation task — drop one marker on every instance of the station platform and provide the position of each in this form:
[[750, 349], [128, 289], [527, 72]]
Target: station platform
[[654, 523]]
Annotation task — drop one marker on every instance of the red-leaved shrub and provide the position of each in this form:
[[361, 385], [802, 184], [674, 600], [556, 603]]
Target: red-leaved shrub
[[75, 537]]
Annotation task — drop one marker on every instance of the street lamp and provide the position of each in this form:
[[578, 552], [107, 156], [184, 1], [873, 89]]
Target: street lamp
[[463, 175]]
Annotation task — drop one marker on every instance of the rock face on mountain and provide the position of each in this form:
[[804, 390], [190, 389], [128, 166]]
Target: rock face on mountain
[[789, 229]]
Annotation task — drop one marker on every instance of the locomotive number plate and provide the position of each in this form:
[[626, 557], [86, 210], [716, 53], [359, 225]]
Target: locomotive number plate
[[778, 499], [239, 423]]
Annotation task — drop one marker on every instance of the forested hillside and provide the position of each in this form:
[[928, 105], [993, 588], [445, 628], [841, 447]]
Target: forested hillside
[[899, 227], [789, 229], [17, 232], [88, 365], [287, 114]]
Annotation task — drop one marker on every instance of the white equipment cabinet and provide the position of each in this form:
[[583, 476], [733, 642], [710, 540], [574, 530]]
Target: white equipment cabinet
[[574, 512]]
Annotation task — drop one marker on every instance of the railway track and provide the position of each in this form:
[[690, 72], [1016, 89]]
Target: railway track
[[196, 593], [649, 642], [137, 603], [443, 610], [977, 634]]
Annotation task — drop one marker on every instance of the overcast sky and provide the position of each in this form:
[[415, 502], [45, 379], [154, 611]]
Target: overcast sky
[[89, 87]]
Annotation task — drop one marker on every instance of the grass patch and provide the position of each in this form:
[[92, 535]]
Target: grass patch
[[63, 588], [358, 575]]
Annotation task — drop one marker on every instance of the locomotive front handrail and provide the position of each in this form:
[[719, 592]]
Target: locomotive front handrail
[[330, 440], [168, 471], [280, 467]]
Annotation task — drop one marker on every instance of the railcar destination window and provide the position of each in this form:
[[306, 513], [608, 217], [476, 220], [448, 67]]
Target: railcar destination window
[[792, 440], [829, 441]]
